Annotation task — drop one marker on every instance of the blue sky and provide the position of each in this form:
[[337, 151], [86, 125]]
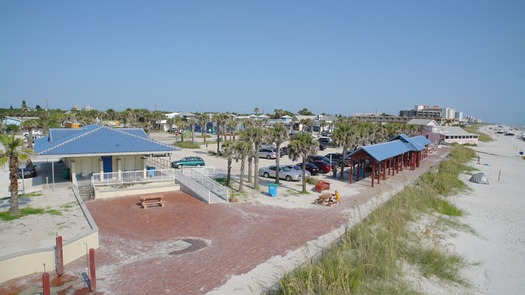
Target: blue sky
[[336, 57]]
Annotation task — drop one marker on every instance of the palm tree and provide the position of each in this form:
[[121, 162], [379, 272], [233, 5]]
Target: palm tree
[[155, 117], [343, 135], [202, 120], [220, 119], [181, 125], [191, 122], [13, 153], [307, 124], [30, 125], [256, 135], [301, 146], [111, 114], [229, 152], [278, 134], [242, 150], [232, 123]]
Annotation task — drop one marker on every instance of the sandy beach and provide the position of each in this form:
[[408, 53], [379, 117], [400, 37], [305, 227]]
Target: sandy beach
[[496, 252], [497, 214]]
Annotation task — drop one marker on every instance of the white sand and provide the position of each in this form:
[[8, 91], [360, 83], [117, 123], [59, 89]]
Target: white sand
[[497, 213]]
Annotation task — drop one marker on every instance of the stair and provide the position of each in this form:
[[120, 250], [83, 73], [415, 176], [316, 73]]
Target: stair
[[86, 192]]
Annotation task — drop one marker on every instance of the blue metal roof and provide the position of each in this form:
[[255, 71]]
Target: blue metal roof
[[386, 150], [98, 140], [410, 143], [422, 140]]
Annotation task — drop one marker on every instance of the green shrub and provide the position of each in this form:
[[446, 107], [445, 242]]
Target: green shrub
[[311, 180]]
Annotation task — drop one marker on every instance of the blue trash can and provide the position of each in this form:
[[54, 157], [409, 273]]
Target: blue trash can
[[272, 189], [151, 171]]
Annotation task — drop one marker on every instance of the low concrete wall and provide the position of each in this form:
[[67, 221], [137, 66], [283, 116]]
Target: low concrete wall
[[32, 261], [147, 188]]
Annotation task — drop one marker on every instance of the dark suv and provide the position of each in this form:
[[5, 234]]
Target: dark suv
[[27, 172], [337, 159], [324, 142]]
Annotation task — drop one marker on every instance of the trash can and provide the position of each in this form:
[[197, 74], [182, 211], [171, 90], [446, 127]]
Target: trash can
[[151, 171], [65, 173], [272, 189]]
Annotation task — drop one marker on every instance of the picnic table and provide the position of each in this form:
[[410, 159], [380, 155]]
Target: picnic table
[[152, 201], [324, 199]]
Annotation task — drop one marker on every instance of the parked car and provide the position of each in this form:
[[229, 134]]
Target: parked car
[[323, 166], [324, 142], [267, 153], [337, 159], [267, 146], [298, 168], [310, 167], [188, 161], [27, 172], [284, 150], [34, 133], [285, 172], [318, 158]]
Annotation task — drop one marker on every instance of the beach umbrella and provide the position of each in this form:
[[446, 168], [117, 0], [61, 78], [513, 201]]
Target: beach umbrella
[[479, 178]]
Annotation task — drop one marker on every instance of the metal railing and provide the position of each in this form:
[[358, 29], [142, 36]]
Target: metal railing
[[197, 179], [203, 176], [159, 162], [131, 177]]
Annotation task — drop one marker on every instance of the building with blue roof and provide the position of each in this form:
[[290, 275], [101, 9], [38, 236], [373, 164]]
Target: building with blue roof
[[378, 159], [416, 149], [96, 148]]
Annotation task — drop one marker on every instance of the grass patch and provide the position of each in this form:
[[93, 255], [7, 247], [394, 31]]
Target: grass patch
[[68, 205], [7, 216], [188, 145], [435, 263], [28, 195], [221, 180], [368, 258]]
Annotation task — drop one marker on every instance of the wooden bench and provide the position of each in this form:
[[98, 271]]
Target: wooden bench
[[154, 201], [322, 185]]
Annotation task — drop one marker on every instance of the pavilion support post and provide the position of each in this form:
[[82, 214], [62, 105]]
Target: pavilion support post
[[145, 165], [358, 170], [119, 169], [101, 170], [351, 170], [73, 172], [373, 174], [384, 170]]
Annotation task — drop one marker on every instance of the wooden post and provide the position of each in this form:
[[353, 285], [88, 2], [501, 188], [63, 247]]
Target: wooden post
[[59, 254], [373, 173], [92, 275], [351, 170]]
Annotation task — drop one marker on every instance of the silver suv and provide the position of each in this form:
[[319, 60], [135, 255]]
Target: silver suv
[[267, 153]]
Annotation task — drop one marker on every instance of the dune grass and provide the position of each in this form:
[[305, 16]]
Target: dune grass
[[475, 129], [7, 216], [370, 257]]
